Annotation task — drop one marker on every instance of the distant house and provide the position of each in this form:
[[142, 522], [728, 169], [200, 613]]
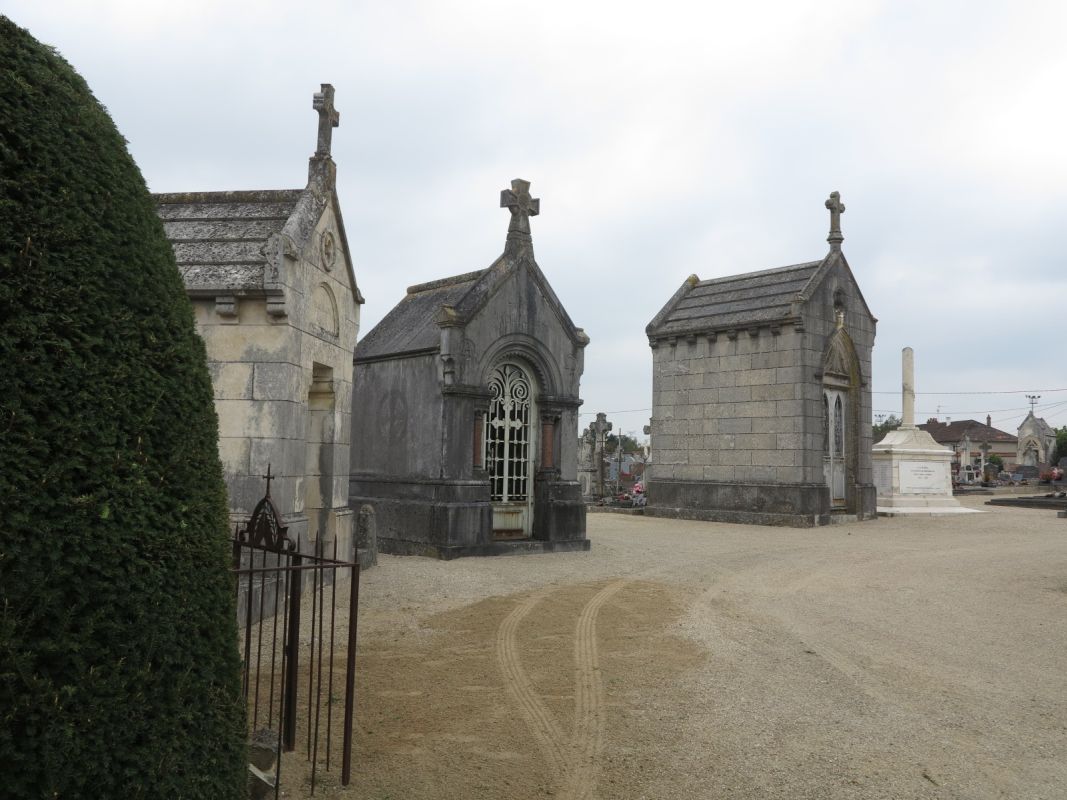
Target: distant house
[[965, 436]]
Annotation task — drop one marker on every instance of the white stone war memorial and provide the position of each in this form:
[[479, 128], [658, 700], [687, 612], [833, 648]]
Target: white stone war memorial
[[762, 398], [465, 432], [276, 302], [913, 472]]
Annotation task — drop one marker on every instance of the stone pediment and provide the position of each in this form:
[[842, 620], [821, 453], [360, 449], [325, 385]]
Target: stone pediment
[[414, 325], [245, 244]]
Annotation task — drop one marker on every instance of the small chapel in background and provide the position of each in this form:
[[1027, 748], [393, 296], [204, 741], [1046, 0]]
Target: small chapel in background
[[762, 395], [465, 441], [277, 305], [1036, 442]]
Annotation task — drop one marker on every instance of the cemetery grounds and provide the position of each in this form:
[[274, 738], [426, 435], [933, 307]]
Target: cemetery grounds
[[908, 657]]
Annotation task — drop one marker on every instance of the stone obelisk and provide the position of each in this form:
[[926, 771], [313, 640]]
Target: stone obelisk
[[911, 470], [907, 362]]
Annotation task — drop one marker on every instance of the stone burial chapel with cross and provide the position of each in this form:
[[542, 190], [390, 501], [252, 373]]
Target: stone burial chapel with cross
[[465, 424], [762, 395], [273, 289]]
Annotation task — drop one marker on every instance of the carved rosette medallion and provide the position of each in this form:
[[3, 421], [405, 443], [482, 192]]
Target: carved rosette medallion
[[327, 250]]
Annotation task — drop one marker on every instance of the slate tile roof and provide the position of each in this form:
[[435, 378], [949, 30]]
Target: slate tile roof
[[738, 300], [218, 237], [411, 325]]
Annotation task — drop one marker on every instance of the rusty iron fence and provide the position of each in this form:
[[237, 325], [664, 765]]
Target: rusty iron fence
[[297, 636]]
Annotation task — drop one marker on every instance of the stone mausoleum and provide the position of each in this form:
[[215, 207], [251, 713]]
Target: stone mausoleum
[[762, 395], [276, 302], [465, 441]]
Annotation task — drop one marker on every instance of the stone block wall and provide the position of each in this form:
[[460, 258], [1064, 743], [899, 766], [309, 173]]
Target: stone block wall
[[729, 407], [283, 394]]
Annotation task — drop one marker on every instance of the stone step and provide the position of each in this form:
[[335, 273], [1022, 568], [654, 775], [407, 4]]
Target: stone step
[[842, 519]]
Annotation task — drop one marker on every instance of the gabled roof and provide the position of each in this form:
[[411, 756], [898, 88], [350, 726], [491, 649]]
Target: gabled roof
[[414, 324], [411, 326], [977, 432], [1040, 427], [220, 238], [238, 243], [770, 296]]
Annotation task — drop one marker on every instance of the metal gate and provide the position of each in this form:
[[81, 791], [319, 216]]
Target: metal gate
[[290, 689], [507, 450]]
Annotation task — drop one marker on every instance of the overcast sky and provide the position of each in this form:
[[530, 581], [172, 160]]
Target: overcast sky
[[663, 139]]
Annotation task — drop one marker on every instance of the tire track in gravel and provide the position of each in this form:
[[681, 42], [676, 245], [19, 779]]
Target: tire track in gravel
[[543, 726], [589, 708]]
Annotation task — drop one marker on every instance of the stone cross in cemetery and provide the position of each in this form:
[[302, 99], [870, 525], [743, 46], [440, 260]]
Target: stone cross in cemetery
[[586, 467], [522, 206], [329, 118], [837, 208], [600, 429], [984, 449]]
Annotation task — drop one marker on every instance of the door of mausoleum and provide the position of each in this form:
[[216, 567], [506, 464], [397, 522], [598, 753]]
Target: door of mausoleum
[[508, 451]]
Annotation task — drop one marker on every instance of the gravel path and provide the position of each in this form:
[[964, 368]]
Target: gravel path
[[902, 658]]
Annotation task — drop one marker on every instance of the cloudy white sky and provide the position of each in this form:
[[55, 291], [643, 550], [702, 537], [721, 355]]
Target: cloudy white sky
[[663, 139]]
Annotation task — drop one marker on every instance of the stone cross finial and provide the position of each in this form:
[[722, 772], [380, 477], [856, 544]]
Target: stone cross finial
[[517, 199], [837, 208], [329, 118]]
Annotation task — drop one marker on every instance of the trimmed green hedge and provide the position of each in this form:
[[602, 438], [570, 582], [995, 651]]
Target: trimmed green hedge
[[119, 672]]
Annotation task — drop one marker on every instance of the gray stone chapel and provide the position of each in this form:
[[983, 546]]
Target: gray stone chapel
[[465, 440], [762, 395], [271, 280]]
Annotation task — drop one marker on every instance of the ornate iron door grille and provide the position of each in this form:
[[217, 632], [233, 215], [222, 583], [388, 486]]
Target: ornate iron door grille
[[507, 435]]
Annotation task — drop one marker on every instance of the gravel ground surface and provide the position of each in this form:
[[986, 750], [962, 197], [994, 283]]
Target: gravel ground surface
[[912, 657]]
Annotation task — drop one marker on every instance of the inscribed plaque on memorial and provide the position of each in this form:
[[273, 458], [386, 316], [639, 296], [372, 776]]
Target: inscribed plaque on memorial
[[922, 477]]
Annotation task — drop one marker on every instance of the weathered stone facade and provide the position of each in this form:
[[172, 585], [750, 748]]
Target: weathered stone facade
[[749, 371], [1037, 441], [465, 440], [276, 302]]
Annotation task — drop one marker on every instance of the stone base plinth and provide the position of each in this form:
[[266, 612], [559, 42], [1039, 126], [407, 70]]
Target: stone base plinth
[[450, 519], [913, 472], [798, 505]]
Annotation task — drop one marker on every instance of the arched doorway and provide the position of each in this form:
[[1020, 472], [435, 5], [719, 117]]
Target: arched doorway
[[841, 379], [509, 451], [835, 459]]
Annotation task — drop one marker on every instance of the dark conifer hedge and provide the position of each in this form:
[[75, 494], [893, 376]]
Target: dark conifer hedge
[[118, 663]]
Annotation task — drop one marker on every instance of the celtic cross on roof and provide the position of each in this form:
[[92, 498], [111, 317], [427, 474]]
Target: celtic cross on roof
[[517, 199]]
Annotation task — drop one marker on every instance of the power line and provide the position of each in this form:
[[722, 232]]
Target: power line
[[624, 411], [997, 392]]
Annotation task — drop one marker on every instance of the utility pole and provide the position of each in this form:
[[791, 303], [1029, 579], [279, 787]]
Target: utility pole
[[1033, 398]]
